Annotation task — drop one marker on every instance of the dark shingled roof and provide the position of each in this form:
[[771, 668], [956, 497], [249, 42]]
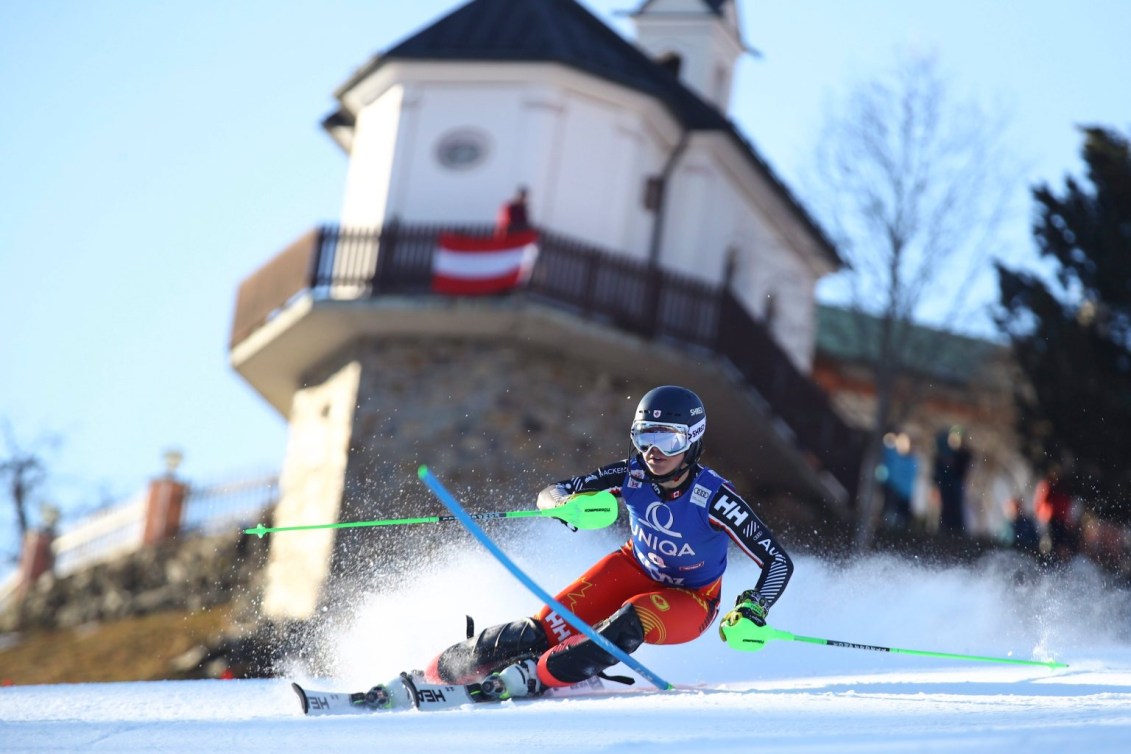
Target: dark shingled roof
[[548, 31], [564, 32]]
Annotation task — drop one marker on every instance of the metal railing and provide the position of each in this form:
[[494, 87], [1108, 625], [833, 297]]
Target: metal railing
[[335, 262], [799, 401], [590, 282], [231, 505]]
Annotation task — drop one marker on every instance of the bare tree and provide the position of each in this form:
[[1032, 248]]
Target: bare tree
[[22, 471], [913, 188]]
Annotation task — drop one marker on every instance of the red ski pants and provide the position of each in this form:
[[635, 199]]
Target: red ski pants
[[669, 614]]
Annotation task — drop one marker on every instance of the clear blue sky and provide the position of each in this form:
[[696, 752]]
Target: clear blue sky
[[153, 154]]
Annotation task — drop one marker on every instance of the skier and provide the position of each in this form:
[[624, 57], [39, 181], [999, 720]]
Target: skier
[[661, 587]]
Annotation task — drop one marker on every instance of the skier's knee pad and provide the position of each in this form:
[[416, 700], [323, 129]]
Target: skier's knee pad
[[623, 628], [521, 637], [579, 657], [491, 649]]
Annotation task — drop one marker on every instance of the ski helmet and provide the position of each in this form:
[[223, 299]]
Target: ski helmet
[[680, 414]]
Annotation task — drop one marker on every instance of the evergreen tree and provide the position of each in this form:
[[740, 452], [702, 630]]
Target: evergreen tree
[[1071, 333]]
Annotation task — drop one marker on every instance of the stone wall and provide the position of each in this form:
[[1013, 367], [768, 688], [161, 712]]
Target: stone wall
[[495, 422], [185, 573], [496, 419]]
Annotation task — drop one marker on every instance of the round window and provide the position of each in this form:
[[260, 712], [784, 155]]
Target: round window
[[463, 149]]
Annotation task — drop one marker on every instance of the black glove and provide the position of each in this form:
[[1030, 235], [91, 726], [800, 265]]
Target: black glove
[[749, 605]]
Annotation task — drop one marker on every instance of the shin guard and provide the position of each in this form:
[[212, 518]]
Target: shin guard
[[578, 657], [492, 649]]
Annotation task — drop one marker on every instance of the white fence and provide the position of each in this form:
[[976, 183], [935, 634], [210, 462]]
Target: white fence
[[102, 536], [118, 531], [8, 587]]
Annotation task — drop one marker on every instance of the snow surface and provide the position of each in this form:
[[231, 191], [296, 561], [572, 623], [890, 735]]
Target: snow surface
[[789, 697]]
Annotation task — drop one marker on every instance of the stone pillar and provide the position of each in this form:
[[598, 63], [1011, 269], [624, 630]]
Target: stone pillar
[[36, 558], [312, 484], [163, 509]]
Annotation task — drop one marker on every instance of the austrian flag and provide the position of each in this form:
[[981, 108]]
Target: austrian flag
[[468, 266]]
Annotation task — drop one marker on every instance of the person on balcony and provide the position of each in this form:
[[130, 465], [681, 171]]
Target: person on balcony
[[514, 215], [661, 587]]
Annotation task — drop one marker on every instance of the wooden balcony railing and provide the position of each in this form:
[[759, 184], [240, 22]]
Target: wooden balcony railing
[[630, 295]]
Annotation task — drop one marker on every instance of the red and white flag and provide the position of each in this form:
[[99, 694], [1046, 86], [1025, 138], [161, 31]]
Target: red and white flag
[[468, 266]]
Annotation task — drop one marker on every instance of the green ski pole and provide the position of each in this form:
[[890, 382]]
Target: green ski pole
[[745, 635], [587, 510]]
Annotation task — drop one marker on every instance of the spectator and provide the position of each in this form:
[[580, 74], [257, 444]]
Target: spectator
[[513, 215], [900, 468], [1053, 505], [952, 461], [1020, 530]]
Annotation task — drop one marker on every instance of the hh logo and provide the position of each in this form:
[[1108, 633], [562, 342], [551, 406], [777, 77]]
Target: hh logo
[[729, 508], [559, 626]]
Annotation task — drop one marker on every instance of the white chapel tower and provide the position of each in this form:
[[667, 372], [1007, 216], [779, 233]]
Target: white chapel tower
[[669, 251], [699, 40]]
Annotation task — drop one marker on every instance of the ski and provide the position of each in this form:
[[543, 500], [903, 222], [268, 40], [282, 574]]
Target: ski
[[408, 692]]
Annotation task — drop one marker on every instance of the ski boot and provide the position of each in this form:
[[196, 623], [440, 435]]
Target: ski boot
[[518, 680]]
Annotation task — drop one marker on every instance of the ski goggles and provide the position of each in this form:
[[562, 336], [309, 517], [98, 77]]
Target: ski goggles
[[669, 439]]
